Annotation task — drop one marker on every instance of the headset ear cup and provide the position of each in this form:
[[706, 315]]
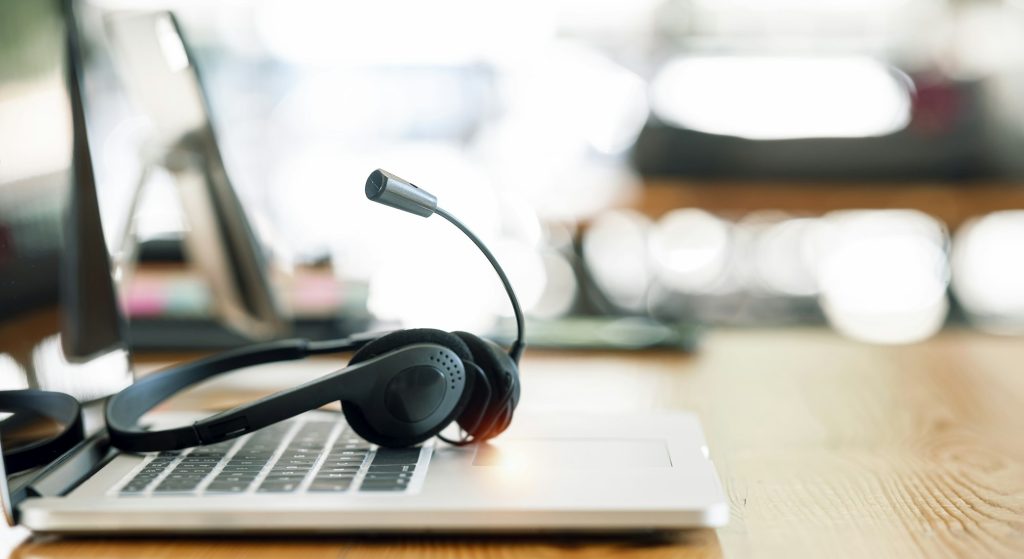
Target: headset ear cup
[[355, 416], [496, 405], [402, 338], [358, 423]]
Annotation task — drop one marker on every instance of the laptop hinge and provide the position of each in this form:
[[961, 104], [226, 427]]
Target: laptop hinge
[[65, 473]]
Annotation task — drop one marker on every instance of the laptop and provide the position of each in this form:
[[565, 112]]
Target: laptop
[[310, 474]]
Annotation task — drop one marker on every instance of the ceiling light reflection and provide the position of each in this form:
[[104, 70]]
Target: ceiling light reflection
[[774, 98]]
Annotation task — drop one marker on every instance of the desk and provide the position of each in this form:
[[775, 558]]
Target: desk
[[827, 448]]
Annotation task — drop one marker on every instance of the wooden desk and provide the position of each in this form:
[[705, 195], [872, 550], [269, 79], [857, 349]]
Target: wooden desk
[[827, 448], [951, 203]]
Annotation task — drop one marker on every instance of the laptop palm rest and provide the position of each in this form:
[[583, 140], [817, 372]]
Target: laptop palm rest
[[575, 454]]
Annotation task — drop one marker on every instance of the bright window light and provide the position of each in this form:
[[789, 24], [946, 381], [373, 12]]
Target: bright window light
[[40, 114], [824, 5], [402, 32], [170, 44], [573, 92], [776, 98], [100, 375], [11, 373]]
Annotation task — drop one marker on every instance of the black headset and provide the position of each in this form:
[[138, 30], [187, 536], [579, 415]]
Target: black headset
[[56, 406], [399, 389]]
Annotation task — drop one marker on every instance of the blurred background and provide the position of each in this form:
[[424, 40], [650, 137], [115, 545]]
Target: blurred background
[[644, 169]]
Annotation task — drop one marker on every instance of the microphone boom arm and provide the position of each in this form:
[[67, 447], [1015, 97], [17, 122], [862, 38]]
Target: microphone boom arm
[[516, 351], [391, 190]]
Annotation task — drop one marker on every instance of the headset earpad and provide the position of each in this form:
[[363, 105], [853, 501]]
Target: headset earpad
[[402, 338], [502, 375], [396, 340]]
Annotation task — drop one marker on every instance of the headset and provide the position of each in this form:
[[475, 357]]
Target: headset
[[399, 389], [32, 404]]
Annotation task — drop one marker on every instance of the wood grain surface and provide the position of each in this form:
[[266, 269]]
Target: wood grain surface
[[827, 448]]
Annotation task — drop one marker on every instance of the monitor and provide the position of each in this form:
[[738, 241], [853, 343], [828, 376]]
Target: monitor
[[160, 75], [60, 325]]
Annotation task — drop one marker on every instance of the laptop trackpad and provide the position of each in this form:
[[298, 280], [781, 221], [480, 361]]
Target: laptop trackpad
[[575, 454]]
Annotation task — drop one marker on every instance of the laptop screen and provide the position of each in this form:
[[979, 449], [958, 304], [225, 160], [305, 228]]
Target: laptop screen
[[60, 327]]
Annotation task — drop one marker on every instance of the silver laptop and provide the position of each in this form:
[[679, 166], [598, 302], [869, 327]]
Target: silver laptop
[[562, 472], [313, 474]]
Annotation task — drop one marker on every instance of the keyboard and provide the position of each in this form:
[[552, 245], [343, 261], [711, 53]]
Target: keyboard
[[296, 456]]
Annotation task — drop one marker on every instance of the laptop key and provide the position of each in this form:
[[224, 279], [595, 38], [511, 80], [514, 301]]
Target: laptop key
[[229, 467], [396, 456], [191, 472], [285, 477], [345, 461], [341, 450], [340, 467], [225, 488], [183, 476], [298, 458], [233, 479], [255, 457], [388, 476], [335, 475], [176, 487], [374, 469], [185, 472], [290, 470], [381, 487], [331, 483], [303, 467], [277, 487]]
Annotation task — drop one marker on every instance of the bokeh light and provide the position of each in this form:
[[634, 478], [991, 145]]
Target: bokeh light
[[785, 257], [883, 275], [614, 249], [768, 98], [988, 271], [690, 250]]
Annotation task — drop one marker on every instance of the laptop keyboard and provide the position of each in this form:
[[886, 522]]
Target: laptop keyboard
[[307, 456]]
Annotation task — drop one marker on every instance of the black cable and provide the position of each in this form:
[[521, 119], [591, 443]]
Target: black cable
[[516, 351]]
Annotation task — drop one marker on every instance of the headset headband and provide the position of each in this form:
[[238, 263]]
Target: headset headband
[[125, 408], [57, 406]]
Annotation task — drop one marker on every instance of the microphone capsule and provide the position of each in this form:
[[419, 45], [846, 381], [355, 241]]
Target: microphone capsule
[[390, 190]]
